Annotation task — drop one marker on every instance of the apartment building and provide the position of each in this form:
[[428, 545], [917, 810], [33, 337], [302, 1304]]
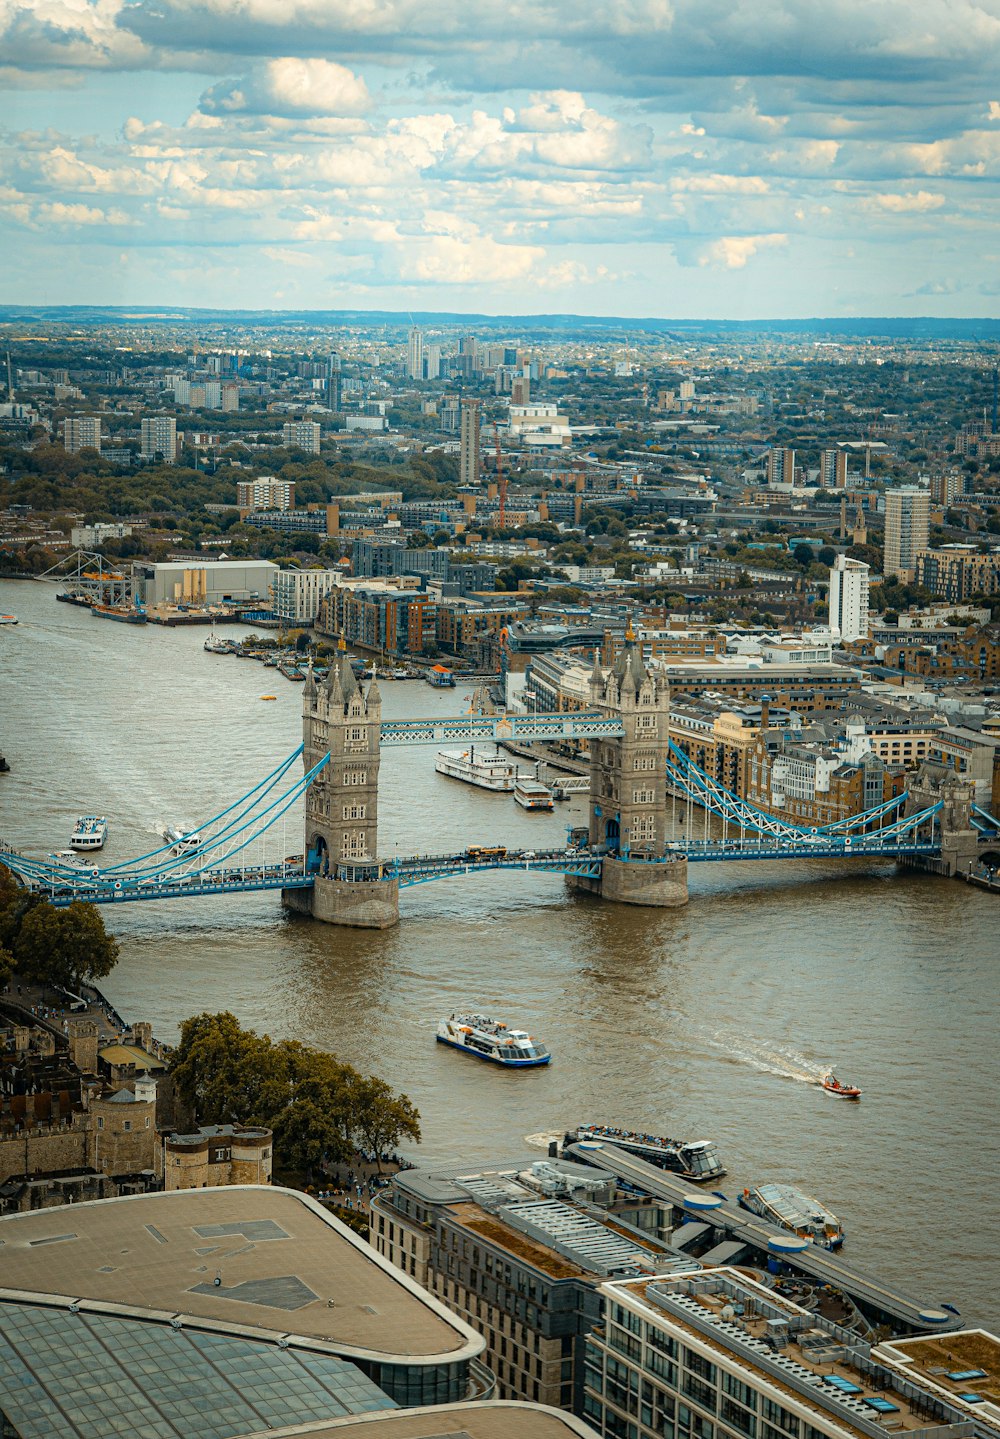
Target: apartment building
[[957, 572], [907, 526], [717, 1356], [519, 1255], [296, 594]]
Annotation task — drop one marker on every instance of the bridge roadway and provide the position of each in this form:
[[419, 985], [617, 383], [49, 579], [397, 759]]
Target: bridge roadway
[[880, 1302], [116, 888]]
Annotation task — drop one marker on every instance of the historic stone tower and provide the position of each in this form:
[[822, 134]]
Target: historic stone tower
[[953, 825], [341, 835], [628, 788]]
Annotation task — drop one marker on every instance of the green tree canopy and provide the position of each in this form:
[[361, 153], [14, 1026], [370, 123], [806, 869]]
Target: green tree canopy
[[315, 1104]]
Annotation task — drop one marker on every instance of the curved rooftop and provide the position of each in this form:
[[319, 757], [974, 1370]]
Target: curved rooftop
[[243, 1260]]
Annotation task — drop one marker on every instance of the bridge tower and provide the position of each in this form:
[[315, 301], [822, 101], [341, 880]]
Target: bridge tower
[[952, 826], [341, 837], [628, 787]]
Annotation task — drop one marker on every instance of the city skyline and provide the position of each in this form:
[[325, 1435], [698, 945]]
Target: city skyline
[[742, 163]]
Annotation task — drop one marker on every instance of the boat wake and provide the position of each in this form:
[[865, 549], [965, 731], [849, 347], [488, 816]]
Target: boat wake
[[781, 1062]]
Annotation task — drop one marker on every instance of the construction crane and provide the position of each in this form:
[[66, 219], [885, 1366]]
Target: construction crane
[[501, 481]]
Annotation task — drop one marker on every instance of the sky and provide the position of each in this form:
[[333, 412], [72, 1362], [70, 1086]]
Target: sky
[[736, 159]]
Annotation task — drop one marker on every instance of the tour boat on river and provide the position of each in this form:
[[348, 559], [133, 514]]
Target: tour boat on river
[[492, 1040], [486, 771], [696, 1159], [90, 832], [182, 838], [791, 1209]]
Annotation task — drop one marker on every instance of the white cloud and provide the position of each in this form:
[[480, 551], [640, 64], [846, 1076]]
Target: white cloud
[[907, 204], [291, 87], [732, 252]]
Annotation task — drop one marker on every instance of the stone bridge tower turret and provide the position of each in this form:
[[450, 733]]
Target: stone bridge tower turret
[[628, 786], [341, 820]]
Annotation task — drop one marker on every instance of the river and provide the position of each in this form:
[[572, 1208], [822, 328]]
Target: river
[[712, 1021]]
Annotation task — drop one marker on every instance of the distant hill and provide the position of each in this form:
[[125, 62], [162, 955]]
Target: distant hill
[[923, 327]]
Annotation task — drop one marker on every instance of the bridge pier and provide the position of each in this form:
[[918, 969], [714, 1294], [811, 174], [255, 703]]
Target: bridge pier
[[361, 904], [628, 789], [633, 881]]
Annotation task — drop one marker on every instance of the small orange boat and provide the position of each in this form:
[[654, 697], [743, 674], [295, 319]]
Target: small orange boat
[[839, 1088]]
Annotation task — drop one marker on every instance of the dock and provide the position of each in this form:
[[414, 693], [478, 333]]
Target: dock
[[717, 1231]]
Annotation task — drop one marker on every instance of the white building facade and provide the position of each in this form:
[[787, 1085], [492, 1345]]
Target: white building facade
[[297, 593], [849, 582]]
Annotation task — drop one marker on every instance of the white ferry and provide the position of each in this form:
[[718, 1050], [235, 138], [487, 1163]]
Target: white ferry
[[486, 771], [182, 838], [696, 1159], [532, 794], [90, 833], [791, 1209], [489, 1039], [8, 619]]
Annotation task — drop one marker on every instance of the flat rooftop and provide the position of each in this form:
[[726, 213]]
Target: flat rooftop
[[819, 1365], [243, 1259], [495, 1419], [964, 1368]]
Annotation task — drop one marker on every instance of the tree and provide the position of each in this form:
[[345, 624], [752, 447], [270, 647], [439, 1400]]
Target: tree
[[803, 555], [62, 946], [383, 1118], [316, 1105]]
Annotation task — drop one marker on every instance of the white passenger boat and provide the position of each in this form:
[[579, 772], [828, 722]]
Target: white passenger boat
[[492, 1040], [8, 619], [791, 1209], [486, 771], [90, 832], [696, 1159], [69, 859], [182, 838], [532, 794]]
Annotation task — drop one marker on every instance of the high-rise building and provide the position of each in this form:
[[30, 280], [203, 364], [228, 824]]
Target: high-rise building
[[432, 362], [468, 443], [833, 469], [849, 598], [230, 396], [302, 434], [265, 493], [907, 528], [520, 390], [780, 465], [82, 432], [333, 392], [159, 438], [415, 355]]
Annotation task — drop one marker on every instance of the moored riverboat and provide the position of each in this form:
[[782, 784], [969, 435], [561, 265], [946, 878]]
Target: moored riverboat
[[486, 771], [696, 1159], [531, 794], [791, 1209]]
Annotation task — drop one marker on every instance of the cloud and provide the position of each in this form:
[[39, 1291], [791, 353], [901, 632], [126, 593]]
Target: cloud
[[907, 204], [291, 87], [732, 252]]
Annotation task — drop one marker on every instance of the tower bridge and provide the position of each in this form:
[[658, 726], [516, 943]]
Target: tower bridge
[[623, 855]]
